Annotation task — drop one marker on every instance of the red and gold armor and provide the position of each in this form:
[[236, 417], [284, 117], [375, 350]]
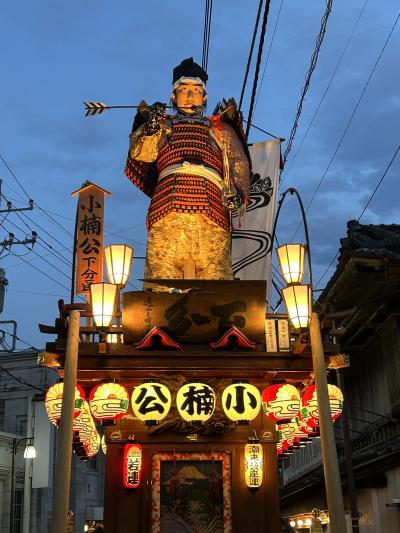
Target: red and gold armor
[[187, 219]]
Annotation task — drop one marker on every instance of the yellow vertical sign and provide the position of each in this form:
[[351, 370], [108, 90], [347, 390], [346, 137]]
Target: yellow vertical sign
[[89, 236]]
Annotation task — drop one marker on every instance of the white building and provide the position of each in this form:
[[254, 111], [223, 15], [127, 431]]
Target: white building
[[22, 415]]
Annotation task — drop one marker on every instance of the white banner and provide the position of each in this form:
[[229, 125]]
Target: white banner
[[251, 242]]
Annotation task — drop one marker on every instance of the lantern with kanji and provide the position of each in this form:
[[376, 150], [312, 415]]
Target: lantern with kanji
[[109, 401], [281, 401], [254, 464], [151, 402], [195, 402], [132, 465], [310, 404], [241, 402], [53, 402]]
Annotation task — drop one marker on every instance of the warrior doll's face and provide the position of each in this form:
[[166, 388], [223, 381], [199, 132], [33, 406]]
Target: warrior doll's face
[[189, 94]]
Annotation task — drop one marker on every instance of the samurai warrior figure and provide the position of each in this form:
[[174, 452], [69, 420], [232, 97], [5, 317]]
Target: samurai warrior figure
[[196, 170]]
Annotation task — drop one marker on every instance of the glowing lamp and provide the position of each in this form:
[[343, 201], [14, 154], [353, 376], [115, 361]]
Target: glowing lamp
[[151, 402], [132, 465], [93, 446], [299, 431], [30, 451], [108, 401], [298, 300], [291, 262], [118, 263], [310, 404], [84, 424], [53, 402], [307, 423], [114, 338], [292, 523], [300, 522], [286, 434], [195, 402], [281, 401], [103, 303], [308, 522], [241, 402], [254, 463], [103, 445]]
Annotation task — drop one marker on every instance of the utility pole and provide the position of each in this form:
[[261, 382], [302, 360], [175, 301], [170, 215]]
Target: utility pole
[[10, 240]]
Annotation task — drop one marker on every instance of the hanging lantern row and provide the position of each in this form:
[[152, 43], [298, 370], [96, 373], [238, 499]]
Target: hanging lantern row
[[151, 402]]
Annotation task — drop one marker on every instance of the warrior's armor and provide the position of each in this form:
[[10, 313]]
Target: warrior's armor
[[189, 167]]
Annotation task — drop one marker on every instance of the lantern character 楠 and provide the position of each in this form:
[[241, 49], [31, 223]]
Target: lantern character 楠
[[195, 402]]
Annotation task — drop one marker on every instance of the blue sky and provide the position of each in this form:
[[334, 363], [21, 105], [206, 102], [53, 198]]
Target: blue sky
[[54, 55]]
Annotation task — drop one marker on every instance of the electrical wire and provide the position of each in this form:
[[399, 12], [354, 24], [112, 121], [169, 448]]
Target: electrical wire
[[30, 346], [250, 56], [22, 381], [258, 63], [379, 183], [313, 64], [365, 207], [269, 53], [349, 122], [41, 257], [326, 90], [206, 33]]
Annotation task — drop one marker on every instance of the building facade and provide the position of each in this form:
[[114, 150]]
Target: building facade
[[366, 288], [22, 415]]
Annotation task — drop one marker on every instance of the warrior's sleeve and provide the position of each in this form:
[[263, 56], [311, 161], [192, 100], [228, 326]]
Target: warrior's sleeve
[[140, 166], [239, 163]]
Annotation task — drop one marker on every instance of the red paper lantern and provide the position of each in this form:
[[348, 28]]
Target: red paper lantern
[[310, 404], [281, 401], [109, 401], [132, 465]]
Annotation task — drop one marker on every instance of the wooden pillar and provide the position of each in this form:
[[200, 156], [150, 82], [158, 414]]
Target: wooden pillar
[[64, 441], [333, 485]]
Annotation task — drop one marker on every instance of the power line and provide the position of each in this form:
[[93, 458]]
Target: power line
[[253, 40], [19, 339], [365, 207], [314, 60], [326, 90], [349, 122], [44, 274], [22, 381], [206, 33], [13, 175], [258, 63], [41, 257], [269, 53], [379, 183]]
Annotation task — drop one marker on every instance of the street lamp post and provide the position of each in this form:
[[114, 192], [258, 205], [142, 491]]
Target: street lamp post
[[298, 302], [29, 453]]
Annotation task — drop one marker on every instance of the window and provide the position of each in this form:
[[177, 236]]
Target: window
[[21, 425], [18, 504]]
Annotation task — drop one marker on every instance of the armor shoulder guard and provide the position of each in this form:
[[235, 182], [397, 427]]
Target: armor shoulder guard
[[228, 112]]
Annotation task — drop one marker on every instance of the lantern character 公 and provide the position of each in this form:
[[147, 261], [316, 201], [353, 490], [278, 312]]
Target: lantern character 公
[[151, 402]]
